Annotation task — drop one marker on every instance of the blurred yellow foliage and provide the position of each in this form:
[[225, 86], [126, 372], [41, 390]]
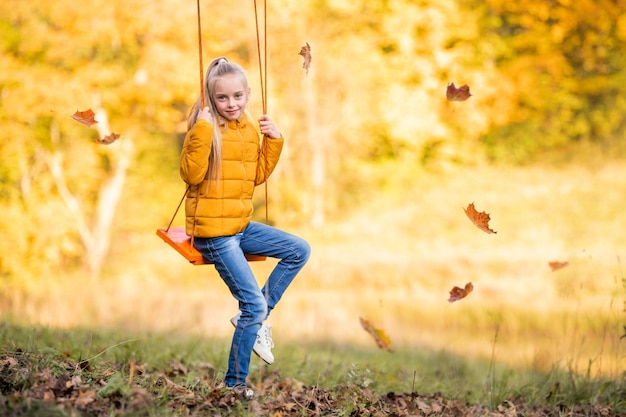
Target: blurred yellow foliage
[[544, 77]]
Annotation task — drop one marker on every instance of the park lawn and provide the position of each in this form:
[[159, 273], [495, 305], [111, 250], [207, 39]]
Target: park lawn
[[107, 372]]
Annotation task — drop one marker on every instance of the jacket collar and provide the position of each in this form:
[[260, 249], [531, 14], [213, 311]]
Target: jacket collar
[[240, 122]]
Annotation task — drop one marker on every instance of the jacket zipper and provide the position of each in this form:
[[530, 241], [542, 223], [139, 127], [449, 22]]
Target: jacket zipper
[[243, 167]]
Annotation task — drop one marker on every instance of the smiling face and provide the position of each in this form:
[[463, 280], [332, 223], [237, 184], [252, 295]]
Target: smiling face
[[230, 96]]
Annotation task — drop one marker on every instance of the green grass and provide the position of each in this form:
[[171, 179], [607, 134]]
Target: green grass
[[111, 360]]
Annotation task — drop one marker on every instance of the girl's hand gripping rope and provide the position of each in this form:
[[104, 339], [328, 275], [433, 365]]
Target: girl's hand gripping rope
[[268, 128]]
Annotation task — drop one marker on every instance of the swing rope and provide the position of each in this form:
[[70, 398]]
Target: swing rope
[[200, 56], [263, 63], [203, 104], [263, 78]]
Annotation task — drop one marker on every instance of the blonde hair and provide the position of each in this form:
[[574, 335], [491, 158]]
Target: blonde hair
[[217, 69]]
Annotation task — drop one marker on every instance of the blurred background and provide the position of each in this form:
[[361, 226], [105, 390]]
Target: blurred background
[[376, 171]]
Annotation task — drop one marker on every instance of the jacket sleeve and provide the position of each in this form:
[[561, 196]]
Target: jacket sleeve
[[268, 158], [194, 158]]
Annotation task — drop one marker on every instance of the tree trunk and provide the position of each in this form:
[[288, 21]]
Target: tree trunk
[[95, 233]]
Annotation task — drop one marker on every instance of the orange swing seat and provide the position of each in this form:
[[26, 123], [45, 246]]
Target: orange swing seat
[[177, 238]]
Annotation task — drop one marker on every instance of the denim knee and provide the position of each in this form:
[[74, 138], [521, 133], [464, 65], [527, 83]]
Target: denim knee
[[256, 309], [303, 250]]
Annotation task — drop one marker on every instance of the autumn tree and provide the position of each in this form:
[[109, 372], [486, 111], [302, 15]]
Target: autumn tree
[[562, 70], [543, 75], [60, 189]]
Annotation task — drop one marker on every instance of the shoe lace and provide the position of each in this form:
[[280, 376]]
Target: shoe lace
[[267, 335], [247, 393]]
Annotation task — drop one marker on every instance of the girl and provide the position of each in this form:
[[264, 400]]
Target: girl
[[222, 160]]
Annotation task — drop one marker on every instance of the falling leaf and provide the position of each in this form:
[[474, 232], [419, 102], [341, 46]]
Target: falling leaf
[[305, 51], [458, 293], [86, 117], [480, 219], [108, 139], [556, 265], [457, 94], [380, 337]]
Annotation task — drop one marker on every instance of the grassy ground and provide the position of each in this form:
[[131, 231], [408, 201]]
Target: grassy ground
[[55, 372], [393, 260]]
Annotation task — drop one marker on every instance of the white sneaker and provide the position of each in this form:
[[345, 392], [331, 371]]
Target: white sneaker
[[240, 391], [244, 392], [263, 344], [235, 320]]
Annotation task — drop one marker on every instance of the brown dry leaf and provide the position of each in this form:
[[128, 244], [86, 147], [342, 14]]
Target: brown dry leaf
[[85, 397], [457, 94], [49, 396], [556, 265], [177, 368], [174, 388], [108, 139], [458, 293], [305, 52], [437, 407], [380, 337], [8, 362], [86, 117], [480, 219], [422, 406], [141, 399]]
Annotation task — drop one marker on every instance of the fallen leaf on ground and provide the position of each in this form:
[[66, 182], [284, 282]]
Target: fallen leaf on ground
[[86, 117], [279, 395], [380, 337], [480, 219], [174, 388], [461, 93], [458, 293]]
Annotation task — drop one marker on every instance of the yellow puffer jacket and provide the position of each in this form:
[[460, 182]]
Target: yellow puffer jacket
[[226, 209]]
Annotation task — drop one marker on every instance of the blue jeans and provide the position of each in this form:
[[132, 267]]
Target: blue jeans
[[227, 253]]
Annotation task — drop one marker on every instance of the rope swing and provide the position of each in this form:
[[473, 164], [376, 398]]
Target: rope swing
[[177, 237]]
